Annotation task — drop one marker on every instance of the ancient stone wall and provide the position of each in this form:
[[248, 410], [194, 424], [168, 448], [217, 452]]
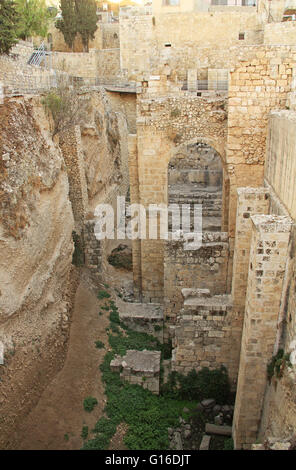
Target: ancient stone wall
[[280, 33], [163, 124], [279, 405], [203, 268], [126, 104], [259, 83], [108, 65], [149, 42], [280, 167], [80, 64], [201, 332], [268, 258], [18, 77], [70, 144]]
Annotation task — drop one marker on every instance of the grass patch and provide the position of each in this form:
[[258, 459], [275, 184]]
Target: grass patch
[[99, 344]]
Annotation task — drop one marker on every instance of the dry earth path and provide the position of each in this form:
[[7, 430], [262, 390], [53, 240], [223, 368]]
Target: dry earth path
[[57, 420]]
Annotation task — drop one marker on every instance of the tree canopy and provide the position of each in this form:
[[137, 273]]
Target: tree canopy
[[86, 14], [34, 18], [78, 16], [68, 23], [9, 20]]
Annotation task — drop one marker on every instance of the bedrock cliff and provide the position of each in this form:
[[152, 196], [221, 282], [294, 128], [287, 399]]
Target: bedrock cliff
[[36, 247]]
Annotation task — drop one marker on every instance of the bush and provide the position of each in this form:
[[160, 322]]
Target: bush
[[103, 294], [99, 344], [228, 444], [199, 385], [277, 364], [84, 432], [89, 403], [66, 106]]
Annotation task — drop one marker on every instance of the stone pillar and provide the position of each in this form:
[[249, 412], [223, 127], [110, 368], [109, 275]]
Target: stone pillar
[[135, 197], [93, 252], [292, 94], [192, 79], [250, 201], [70, 144], [1, 93], [268, 256]]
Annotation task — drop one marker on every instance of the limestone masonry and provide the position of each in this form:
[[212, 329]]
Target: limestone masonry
[[190, 102]]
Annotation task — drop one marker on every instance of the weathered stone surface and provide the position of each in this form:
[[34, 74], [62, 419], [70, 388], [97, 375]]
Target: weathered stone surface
[[220, 430], [139, 367], [205, 442]]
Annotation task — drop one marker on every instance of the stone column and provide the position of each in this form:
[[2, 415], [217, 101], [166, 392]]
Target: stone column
[[268, 257], [93, 251], [135, 198], [192, 79], [250, 201], [70, 144]]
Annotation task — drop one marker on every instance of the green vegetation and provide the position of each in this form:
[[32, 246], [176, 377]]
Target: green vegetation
[[175, 113], [89, 403], [84, 432], [86, 20], [157, 328], [78, 16], [103, 294], [277, 364], [34, 18], [66, 437], [148, 416], [199, 385], [68, 24], [228, 444], [65, 105], [121, 258], [99, 344], [9, 21]]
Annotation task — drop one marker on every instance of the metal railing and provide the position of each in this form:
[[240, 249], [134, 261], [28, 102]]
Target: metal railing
[[207, 85], [40, 57]]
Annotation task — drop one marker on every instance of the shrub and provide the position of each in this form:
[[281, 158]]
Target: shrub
[[228, 444], [277, 364], [84, 432], [103, 294], [199, 385], [99, 344], [66, 106], [89, 403]]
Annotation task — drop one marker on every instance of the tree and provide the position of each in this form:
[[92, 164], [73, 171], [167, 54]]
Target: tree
[[66, 106], [86, 16], [9, 20], [68, 24], [34, 18]]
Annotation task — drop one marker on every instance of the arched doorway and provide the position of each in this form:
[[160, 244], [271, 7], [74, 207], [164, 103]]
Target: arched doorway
[[195, 176]]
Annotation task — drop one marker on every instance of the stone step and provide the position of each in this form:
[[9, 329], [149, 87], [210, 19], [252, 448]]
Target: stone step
[[145, 318], [205, 442], [139, 367], [219, 430]]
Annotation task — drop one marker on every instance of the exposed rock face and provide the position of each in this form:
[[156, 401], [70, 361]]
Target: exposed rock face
[[104, 147], [36, 224]]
